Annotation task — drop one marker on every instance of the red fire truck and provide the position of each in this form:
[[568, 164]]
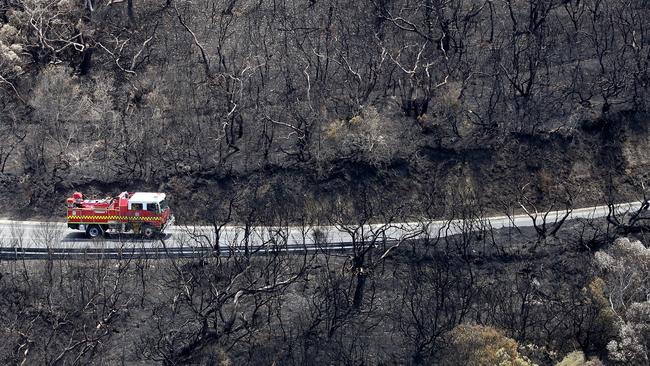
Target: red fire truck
[[143, 213]]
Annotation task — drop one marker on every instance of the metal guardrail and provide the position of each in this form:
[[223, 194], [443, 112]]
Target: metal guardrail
[[18, 253]]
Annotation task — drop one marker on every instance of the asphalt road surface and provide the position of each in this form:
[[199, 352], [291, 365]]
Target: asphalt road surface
[[41, 240]]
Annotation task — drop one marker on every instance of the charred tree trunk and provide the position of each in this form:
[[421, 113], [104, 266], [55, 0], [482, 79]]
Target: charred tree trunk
[[359, 289]]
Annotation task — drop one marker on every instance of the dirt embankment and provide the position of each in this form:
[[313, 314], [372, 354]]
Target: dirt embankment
[[603, 158]]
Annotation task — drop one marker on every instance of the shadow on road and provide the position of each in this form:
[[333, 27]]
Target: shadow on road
[[80, 237]]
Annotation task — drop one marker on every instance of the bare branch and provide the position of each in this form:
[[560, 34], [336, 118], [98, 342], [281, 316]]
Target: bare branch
[[204, 57]]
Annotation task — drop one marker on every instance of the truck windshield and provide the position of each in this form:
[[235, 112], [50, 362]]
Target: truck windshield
[[163, 205]]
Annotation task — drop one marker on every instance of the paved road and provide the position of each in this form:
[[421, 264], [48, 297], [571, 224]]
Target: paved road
[[32, 239]]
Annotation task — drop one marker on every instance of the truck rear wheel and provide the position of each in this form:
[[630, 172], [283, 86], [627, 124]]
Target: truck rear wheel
[[94, 231]]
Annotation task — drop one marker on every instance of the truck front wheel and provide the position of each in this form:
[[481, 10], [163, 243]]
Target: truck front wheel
[[94, 231], [148, 231]]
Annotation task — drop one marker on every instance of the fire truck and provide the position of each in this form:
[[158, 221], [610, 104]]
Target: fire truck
[[145, 213]]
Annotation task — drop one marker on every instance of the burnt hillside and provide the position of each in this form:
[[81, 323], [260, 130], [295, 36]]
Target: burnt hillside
[[281, 117], [195, 98]]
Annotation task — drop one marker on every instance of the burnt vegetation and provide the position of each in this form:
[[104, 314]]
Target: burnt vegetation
[[481, 296], [341, 113], [195, 98]]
